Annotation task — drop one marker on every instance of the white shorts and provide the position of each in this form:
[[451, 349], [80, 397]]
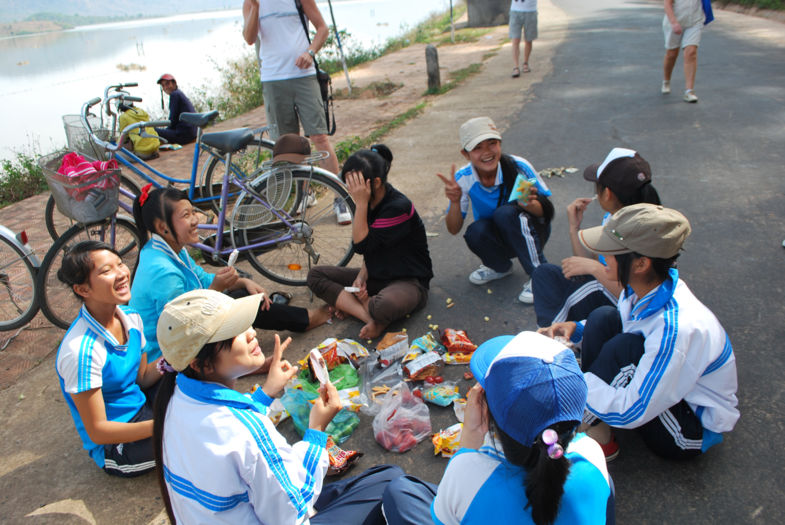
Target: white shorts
[[526, 21], [690, 36]]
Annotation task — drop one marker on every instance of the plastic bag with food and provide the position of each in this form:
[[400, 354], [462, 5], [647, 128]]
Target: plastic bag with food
[[457, 341], [393, 346], [447, 441], [403, 421], [442, 394], [377, 381], [423, 366]]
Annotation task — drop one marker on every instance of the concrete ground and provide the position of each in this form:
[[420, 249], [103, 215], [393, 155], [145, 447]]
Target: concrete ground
[[594, 85]]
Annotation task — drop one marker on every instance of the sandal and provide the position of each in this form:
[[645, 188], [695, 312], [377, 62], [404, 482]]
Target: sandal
[[526, 68], [516, 72], [280, 297]]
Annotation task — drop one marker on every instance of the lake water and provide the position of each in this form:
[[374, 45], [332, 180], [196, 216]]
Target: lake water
[[45, 76]]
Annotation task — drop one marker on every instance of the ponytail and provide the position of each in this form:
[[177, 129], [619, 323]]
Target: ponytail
[[155, 204], [644, 194], [545, 477]]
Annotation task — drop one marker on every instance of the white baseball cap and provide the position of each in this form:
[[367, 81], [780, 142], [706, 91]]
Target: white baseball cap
[[475, 130]]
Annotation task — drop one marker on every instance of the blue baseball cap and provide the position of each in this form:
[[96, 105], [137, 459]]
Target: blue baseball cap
[[531, 382]]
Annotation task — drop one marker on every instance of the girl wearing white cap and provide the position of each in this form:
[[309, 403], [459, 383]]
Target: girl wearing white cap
[[102, 365], [220, 458], [660, 362]]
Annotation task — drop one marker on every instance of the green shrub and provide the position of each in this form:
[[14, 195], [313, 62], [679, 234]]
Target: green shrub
[[20, 178], [240, 90]]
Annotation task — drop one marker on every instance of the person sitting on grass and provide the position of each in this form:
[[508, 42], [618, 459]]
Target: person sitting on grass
[[660, 362], [101, 363], [389, 234], [221, 459], [167, 223]]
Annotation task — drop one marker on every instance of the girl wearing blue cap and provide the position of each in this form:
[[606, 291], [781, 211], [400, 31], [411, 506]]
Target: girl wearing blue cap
[[520, 459]]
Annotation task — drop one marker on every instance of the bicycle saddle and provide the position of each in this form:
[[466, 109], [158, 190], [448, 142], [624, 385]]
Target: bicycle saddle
[[199, 119], [226, 141]]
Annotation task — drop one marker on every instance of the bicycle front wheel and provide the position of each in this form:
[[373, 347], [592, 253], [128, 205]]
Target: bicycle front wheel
[[57, 301], [57, 223], [17, 287], [319, 212]]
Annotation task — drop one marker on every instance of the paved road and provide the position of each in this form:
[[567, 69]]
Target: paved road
[[720, 162]]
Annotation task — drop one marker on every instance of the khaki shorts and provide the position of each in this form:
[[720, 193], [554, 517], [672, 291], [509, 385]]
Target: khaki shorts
[[526, 20], [690, 36], [294, 101]]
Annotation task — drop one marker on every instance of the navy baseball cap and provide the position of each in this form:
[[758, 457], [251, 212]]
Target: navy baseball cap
[[531, 382]]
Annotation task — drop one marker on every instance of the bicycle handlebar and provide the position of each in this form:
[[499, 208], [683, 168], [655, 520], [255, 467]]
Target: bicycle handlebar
[[108, 146]]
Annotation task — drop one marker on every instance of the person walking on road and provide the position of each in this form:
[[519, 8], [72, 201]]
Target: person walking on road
[[682, 26], [523, 16], [291, 91]]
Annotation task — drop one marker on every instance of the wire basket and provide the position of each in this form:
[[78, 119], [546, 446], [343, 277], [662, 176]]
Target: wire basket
[[276, 188], [86, 198], [78, 138]]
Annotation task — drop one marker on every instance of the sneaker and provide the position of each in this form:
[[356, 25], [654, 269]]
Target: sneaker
[[610, 449], [526, 296], [483, 275], [307, 202], [666, 87], [690, 96], [342, 212]]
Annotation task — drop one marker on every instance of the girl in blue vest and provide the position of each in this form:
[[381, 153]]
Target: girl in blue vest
[[101, 363]]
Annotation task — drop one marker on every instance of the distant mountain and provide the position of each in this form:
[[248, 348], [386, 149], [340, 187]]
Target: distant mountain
[[15, 10]]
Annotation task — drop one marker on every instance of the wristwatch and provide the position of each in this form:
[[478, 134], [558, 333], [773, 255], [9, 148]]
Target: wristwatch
[[310, 52]]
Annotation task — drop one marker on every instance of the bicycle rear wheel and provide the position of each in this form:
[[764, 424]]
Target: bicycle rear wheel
[[57, 301], [308, 198], [18, 302], [246, 162], [57, 223]]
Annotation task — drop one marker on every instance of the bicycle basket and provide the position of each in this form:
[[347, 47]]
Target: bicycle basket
[[84, 198], [78, 138], [277, 190]]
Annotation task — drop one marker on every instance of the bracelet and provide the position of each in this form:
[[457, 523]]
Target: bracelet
[[311, 52]]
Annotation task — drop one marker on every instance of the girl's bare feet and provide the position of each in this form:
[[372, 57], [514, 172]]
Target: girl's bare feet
[[338, 314], [372, 330], [319, 316]]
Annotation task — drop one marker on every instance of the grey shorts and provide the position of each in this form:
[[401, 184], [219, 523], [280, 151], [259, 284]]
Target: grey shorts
[[526, 20], [291, 102], [690, 36]]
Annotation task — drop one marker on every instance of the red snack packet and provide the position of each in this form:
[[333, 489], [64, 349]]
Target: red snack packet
[[457, 341], [340, 460]]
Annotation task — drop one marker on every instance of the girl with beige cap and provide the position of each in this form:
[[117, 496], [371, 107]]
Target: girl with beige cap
[[660, 362]]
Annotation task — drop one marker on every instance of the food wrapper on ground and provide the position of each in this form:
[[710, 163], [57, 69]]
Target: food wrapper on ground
[[340, 460], [521, 189], [342, 376], [457, 358], [425, 365], [352, 350], [442, 394], [393, 346], [447, 441], [276, 412], [457, 341], [428, 343], [459, 406], [403, 421], [377, 381], [353, 399], [298, 404]]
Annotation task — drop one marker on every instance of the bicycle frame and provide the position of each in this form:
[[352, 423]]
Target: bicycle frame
[[25, 248]]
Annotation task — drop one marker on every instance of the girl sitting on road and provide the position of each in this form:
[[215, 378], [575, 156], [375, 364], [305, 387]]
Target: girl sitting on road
[[572, 291], [167, 222], [102, 365], [389, 234], [659, 362], [220, 458]]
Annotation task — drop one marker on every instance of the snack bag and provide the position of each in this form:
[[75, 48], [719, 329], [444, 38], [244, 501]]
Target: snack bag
[[521, 189], [428, 343], [351, 350], [459, 407], [393, 346], [403, 420], [342, 376], [447, 441], [457, 341], [425, 365], [377, 381], [442, 394], [457, 358], [298, 404], [340, 460]]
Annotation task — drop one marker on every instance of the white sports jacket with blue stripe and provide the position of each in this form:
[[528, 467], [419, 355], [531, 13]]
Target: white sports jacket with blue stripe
[[224, 461], [687, 356]]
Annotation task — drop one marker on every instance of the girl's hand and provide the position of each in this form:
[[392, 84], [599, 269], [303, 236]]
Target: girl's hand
[[253, 289], [358, 187], [281, 371], [565, 329], [325, 407], [452, 189], [475, 418], [225, 278], [575, 212], [574, 266]]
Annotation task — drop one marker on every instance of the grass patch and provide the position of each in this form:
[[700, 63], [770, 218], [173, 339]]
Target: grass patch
[[345, 148], [775, 5], [455, 78], [464, 36], [20, 178]]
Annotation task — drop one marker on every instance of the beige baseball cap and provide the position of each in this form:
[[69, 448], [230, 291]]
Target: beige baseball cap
[[647, 229], [475, 130], [203, 316]]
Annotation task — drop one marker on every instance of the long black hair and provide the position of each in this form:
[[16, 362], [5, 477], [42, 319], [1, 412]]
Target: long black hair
[[373, 163], [159, 204], [659, 266], [545, 477], [205, 358], [643, 194], [78, 263]]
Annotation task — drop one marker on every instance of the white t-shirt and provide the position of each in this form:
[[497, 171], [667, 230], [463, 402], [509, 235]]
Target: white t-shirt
[[523, 5]]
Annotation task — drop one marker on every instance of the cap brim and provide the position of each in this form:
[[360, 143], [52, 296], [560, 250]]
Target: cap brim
[[590, 173], [485, 354], [476, 140], [597, 241], [240, 317]]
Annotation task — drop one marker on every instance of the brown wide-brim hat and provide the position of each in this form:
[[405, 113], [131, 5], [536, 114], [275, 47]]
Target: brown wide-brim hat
[[291, 148], [647, 229]]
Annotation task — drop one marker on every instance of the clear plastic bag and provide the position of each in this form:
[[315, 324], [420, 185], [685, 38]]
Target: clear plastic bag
[[376, 382], [403, 421]]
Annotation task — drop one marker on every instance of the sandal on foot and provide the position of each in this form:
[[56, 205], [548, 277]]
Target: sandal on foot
[[516, 72], [526, 68], [280, 297]]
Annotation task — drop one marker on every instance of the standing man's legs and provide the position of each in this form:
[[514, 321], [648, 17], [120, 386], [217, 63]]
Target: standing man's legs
[[690, 66], [529, 36], [322, 143], [516, 27], [669, 63], [527, 51], [516, 52]]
